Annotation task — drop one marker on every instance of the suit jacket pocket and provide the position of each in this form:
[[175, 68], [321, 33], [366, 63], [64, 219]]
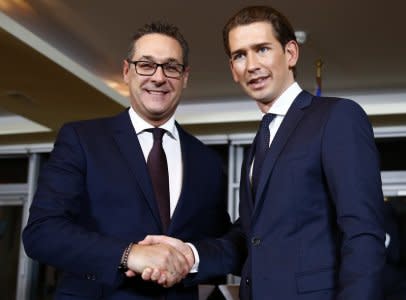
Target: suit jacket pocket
[[70, 285], [312, 281]]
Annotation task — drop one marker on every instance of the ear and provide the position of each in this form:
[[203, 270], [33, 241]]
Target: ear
[[233, 71], [186, 74], [126, 69], [292, 53]]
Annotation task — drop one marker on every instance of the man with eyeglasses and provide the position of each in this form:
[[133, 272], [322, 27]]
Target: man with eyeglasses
[[110, 182]]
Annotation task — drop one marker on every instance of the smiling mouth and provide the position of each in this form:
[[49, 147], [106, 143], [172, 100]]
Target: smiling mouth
[[258, 81], [156, 92]]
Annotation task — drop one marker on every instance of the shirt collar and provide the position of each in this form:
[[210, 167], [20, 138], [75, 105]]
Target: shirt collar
[[284, 101], [140, 125]]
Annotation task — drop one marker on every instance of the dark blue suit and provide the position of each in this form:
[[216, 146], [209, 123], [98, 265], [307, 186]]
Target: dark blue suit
[[95, 196], [315, 228]]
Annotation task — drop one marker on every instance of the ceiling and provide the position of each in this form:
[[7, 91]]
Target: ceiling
[[61, 60]]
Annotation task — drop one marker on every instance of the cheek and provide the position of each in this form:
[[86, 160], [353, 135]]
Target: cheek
[[177, 87], [141, 81], [236, 69], [237, 74]]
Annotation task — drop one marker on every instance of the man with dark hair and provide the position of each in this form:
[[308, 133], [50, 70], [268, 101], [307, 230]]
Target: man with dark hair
[[311, 202], [110, 182]]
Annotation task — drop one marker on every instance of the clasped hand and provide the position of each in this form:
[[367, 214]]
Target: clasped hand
[[162, 259]]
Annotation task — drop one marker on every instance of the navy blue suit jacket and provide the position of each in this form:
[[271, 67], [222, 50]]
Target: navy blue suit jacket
[[95, 196], [315, 228]]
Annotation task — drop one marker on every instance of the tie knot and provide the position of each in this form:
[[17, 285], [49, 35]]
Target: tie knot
[[157, 133], [266, 120]]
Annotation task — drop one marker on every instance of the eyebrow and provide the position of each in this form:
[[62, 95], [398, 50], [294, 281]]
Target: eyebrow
[[253, 46], [236, 52], [262, 44], [168, 60]]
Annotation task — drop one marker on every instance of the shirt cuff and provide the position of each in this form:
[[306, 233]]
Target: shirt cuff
[[387, 240], [195, 267]]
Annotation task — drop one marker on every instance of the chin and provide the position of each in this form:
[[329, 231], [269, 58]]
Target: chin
[[259, 97]]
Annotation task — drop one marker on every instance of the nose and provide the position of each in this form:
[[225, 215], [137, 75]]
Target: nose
[[159, 75], [252, 62]]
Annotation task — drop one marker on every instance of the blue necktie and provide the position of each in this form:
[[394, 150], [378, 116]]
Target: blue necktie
[[261, 148], [158, 170]]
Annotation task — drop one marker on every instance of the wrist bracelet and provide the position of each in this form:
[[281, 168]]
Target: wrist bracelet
[[124, 259]]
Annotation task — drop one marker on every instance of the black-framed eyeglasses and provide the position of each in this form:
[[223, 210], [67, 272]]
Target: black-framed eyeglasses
[[148, 68]]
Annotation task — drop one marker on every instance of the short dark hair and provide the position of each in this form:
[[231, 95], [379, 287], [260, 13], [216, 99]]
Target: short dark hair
[[283, 30], [165, 29]]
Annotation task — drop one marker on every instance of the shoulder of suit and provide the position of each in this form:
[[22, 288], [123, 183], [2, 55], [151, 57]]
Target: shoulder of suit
[[187, 137], [95, 121], [92, 125], [194, 142], [340, 110], [335, 101]]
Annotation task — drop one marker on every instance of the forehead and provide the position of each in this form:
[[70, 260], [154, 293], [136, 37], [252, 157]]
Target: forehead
[[158, 46], [244, 36]]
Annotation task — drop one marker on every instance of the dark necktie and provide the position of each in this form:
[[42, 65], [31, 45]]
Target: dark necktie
[[158, 170], [261, 147]]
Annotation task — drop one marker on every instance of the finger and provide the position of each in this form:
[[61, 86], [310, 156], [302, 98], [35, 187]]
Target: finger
[[156, 274], [179, 264], [183, 264], [162, 279], [170, 280], [173, 278], [147, 273]]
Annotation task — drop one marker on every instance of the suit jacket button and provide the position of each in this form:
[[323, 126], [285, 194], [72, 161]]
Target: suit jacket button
[[256, 241], [247, 281]]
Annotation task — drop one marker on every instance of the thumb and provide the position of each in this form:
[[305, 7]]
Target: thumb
[[130, 273], [151, 239]]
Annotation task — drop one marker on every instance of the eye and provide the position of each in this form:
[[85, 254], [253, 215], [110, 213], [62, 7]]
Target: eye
[[238, 56], [263, 49], [172, 68], [146, 65]]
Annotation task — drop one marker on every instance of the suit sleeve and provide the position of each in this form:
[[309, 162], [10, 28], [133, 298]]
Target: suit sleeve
[[55, 233], [225, 254], [352, 171], [220, 256]]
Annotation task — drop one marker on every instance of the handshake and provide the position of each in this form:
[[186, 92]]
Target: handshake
[[162, 259]]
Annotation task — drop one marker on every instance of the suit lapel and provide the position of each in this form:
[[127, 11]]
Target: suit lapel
[[184, 206], [130, 148], [186, 160], [291, 120], [245, 176]]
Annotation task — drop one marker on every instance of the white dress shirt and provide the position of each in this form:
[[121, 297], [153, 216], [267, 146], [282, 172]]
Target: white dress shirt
[[280, 108]]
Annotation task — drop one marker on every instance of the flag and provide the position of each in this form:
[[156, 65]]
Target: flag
[[319, 64]]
